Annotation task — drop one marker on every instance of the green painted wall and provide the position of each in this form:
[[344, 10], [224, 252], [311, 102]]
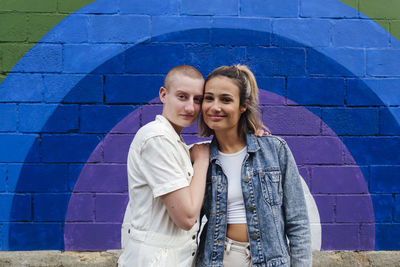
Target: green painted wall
[[385, 12], [24, 23]]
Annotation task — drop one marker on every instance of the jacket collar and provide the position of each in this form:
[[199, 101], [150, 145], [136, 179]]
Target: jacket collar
[[251, 141]]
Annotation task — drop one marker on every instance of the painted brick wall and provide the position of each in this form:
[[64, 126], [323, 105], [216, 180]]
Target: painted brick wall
[[78, 79]]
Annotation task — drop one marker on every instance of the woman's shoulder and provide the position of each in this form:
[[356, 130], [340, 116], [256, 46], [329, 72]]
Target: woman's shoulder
[[271, 140]]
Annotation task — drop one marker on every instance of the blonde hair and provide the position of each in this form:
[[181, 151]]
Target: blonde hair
[[250, 120], [185, 70]]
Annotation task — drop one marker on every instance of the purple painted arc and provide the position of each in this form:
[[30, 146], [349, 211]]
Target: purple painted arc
[[337, 184]]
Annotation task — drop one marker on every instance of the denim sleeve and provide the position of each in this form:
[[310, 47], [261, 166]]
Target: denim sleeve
[[297, 224]]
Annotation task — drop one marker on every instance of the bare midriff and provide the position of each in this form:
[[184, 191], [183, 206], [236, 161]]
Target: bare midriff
[[238, 232]]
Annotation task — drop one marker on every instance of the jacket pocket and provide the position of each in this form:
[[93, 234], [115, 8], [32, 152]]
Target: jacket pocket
[[272, 186]]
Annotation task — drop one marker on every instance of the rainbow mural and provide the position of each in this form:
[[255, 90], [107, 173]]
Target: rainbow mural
[[71, 105]]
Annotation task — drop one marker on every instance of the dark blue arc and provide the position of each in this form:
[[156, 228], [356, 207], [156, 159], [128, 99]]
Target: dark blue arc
[[133, 77]]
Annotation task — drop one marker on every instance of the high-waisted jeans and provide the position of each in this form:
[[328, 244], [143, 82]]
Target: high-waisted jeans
[[237, 254]]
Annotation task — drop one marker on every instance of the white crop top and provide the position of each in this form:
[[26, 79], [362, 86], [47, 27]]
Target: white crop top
[[232, 166]]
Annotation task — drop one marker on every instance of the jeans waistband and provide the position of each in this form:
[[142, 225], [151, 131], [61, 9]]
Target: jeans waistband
[[231, 244]]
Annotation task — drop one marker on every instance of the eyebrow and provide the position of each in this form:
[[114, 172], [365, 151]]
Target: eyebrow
[[210, 93], [186, 93]]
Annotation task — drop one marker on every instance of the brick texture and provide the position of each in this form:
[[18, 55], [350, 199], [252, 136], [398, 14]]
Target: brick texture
[[79, 78]]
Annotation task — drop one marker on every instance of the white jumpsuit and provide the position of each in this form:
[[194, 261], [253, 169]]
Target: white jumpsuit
[[158, 163]]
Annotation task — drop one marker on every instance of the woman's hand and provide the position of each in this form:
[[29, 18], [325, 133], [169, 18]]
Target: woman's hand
[[261, 132], [200, 152]]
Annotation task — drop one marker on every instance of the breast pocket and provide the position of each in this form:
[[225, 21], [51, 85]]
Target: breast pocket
[[271, 184]]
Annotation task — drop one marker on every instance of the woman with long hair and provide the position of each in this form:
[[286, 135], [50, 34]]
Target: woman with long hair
[[254, 202]]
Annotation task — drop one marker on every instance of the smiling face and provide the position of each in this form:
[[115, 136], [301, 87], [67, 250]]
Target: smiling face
[[182, 101], [221, 105]]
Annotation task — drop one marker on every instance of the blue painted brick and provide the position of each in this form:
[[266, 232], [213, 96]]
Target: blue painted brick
[[397, 208], [73, 29], [84, 58], [24, 87], [330, 62], [153, 59], [116, 64], [190, 29], [275, 85], [3, 177], [276, 61], [194, 36], [390, 121], [40, 178], [239, 37], [36, 236], [217, 56], [385, 179], [388, 92], [245, 24], [17, 143], [62, 118], [329, 9], [360, 92], [383, 62], [316, 91], [150, 7], [16, 207], [70, 148], [269, 8], [204, 7], [8, 120], [3, 237], [373, 150], [352, 121], [364, 92], [13, 172], [85, 88], [98, 7], [359, 33], [132, 88], [50, 207], [387, 236], [383, 207], [30, 116], [21, 208], [74, 171], [118, 29], [101, 119], [241, 31], [41, 58], [307, 32]]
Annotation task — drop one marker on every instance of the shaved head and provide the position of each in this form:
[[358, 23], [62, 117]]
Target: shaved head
[[184, 70]]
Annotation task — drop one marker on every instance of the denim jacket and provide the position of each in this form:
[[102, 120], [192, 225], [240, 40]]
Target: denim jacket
[[276, 212]]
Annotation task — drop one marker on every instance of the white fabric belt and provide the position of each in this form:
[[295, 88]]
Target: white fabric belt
[[161, 240]]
